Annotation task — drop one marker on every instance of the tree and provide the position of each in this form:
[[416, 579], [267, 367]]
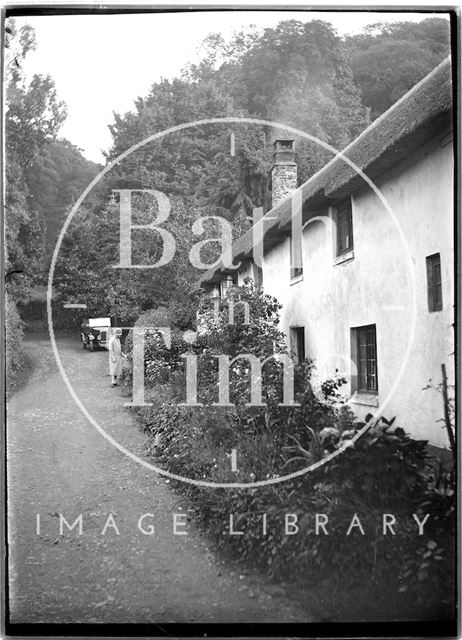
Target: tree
[[55, 180], [33, 116], [389, 59], [299, 74], [85, 273], [296, 74]]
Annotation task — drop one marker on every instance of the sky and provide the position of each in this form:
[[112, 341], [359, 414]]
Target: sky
[[102, 63]]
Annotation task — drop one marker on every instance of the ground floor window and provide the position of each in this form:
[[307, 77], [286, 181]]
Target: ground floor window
[[364, 355], [214, 291], [228, 283], [297, 343]]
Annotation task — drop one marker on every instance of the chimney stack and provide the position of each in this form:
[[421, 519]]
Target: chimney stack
[[284, 170]]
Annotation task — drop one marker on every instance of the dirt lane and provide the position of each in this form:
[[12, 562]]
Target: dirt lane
[[58, 463]]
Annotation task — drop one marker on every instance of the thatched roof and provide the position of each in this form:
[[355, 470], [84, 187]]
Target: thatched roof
[[395, 135]]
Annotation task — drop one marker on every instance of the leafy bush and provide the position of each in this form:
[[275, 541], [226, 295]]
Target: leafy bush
[[383, 471], [431, 569], [159, 361], [14, 330]]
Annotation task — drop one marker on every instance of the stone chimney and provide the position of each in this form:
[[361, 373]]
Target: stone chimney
[[284, 170]]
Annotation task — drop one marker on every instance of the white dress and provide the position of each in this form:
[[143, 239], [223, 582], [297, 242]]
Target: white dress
[[115, 356]]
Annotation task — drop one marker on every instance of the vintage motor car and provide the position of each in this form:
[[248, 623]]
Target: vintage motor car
[[95, 333]]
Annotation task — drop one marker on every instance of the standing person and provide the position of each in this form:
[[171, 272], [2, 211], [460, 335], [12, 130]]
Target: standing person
[[85, 332], [85, 327], [115, 357]]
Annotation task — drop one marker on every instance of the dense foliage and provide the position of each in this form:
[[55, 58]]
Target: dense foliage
[[32, 118], [388, 60], [56, 179], [44, 176], [300, 74], [14, 331], [296, 74], [86, 268], [364, 574], [33, 115]]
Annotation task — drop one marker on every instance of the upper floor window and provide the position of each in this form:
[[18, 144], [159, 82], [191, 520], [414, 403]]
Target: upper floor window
[[435, 296], [256, 274], [344, 225], [258, 277], [296, 259], [295, 272]]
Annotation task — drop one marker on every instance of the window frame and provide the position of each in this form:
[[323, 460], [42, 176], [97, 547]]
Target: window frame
[[214, 291], [298, 343], [296, 238], [226, 285], [434, 283], [344, 207], [257, 276], [364, 355]]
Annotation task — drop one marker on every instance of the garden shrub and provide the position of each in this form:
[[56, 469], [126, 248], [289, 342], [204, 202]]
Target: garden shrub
[[431, 568], [160, 362], [383, 471], [14, 331]]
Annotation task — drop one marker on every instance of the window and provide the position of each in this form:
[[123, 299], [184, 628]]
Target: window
[[298, 343], [364, 348], [257, 276], [214, 291], [344, 223], [228, 283], [435, 296], [296, 258]]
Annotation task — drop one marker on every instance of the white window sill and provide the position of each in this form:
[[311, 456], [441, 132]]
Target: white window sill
[[368, 399], [344, 257], [296, 279]]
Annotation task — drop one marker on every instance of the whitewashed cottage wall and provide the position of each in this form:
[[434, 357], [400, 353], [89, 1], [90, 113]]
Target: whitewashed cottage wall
[[374, 287]]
